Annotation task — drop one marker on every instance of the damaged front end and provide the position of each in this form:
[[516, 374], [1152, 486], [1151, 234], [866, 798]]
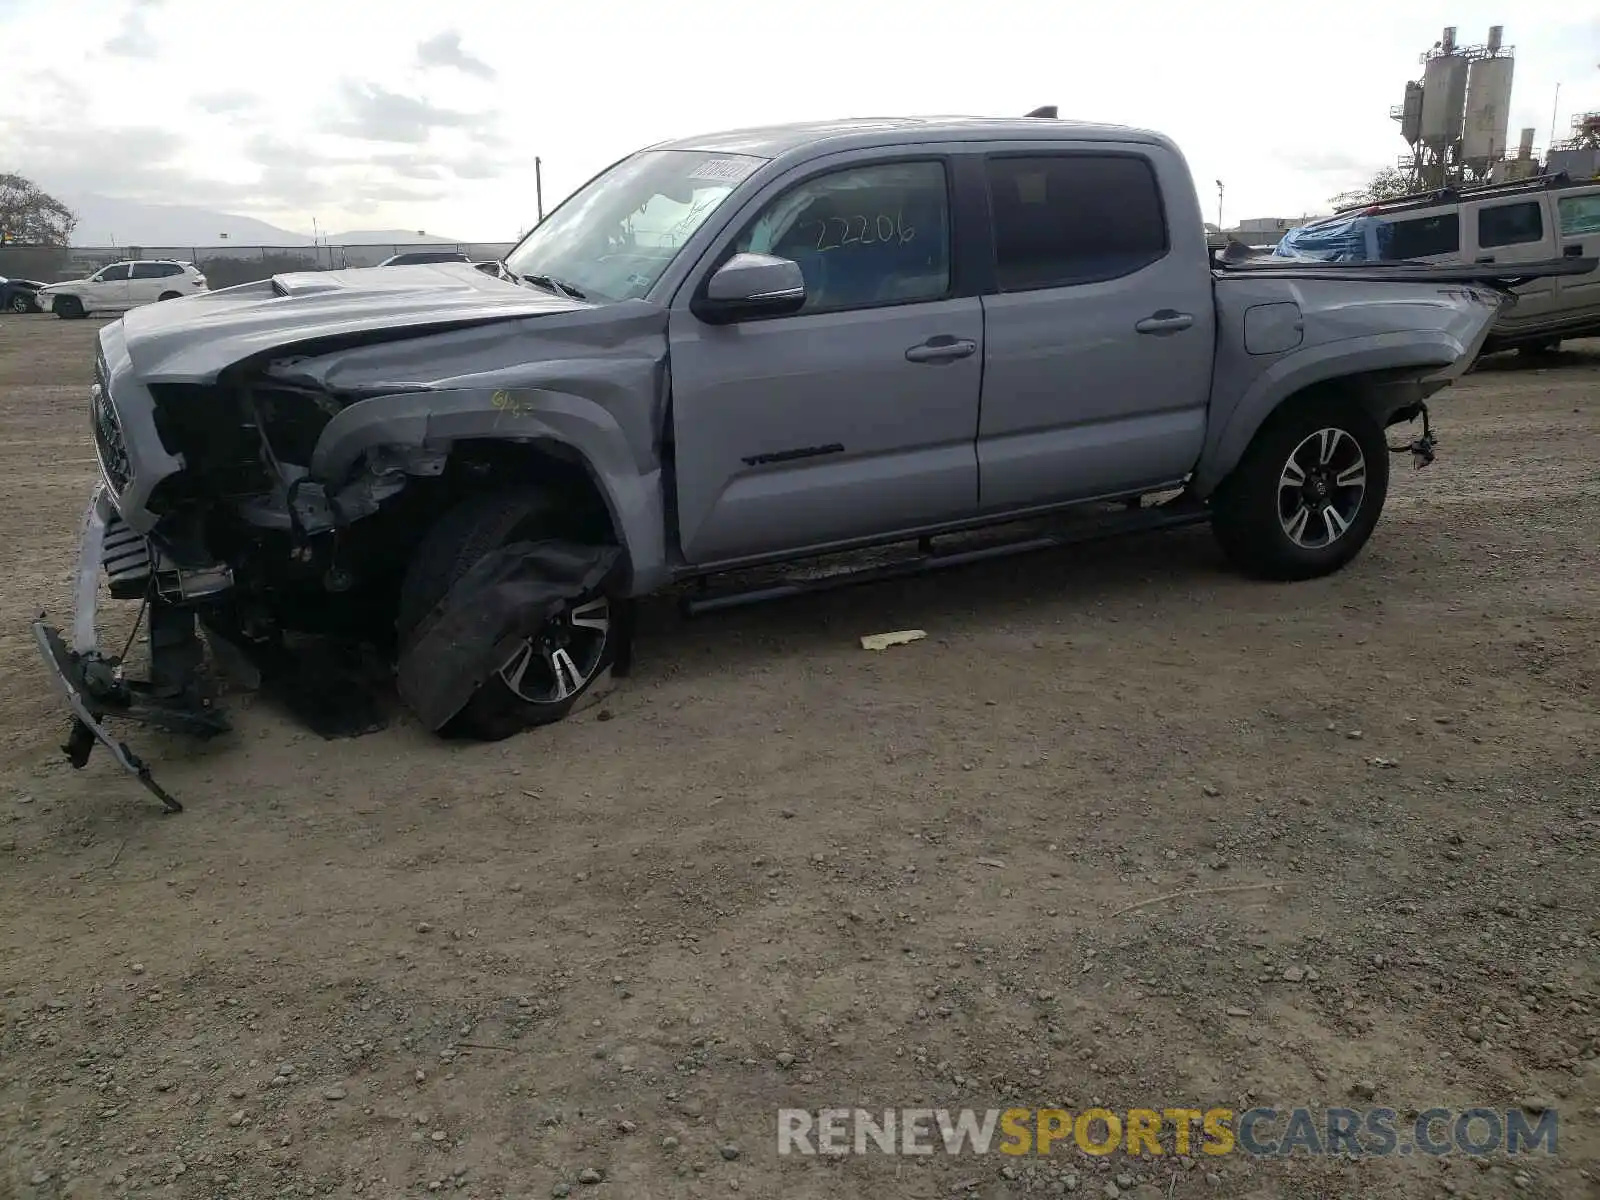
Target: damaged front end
[[267, 473]]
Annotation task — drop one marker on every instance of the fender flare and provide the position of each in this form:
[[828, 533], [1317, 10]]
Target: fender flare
[[434, 418], [1428, 360]]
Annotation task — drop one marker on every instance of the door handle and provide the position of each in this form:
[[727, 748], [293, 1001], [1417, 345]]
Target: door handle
[[1573, 252], [1487, 258], [1165, 321], [943, 348]]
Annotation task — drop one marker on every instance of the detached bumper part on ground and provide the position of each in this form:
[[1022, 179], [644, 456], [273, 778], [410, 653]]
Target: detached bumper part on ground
[[92, 682]]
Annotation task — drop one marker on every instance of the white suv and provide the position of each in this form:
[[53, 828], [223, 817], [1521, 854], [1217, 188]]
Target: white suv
[[122, 286]]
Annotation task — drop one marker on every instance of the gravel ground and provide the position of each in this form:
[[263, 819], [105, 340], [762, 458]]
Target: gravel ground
[[789, 872]]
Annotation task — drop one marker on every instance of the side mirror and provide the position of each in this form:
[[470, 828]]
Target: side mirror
[[751, 285]]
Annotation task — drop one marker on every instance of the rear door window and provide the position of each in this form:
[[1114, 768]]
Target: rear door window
[[1511, 224], [1422, 237], [1067, 219]]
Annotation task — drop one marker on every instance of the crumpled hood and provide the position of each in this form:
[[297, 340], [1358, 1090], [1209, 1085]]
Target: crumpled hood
[[192, 339]]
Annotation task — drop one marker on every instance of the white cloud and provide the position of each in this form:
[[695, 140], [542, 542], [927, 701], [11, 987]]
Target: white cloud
[[355, 114], [444, 50]]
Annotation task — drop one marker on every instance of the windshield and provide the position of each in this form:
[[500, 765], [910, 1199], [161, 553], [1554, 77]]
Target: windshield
[[613, 238]]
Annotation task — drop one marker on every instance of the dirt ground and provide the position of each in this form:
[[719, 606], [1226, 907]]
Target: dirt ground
[[786, 872]]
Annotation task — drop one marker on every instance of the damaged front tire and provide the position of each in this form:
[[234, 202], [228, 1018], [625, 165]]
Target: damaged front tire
[[549, 671]]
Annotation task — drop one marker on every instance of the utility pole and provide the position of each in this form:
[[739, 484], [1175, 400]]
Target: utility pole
[[1555, 107], [1219, 206], [538, 186]]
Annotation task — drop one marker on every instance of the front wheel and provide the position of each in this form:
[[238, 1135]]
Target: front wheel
[[543, 678], [69, 308], [169, 296], [1307, 494], [19, 303]]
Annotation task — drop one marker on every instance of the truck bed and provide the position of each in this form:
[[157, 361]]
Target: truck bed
[[1503, 274]]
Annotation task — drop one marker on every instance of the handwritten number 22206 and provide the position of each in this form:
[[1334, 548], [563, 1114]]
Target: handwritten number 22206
[[864, 230]]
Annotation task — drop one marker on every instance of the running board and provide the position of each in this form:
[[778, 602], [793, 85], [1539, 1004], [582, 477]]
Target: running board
[[1174, 514]]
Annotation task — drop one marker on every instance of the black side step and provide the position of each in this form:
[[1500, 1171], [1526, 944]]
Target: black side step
[[1173, 515]]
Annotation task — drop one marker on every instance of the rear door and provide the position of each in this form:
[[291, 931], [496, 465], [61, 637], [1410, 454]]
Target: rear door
[[1100, 331], [1513, 231], [1578, 218], [148, 281], [854, 418]]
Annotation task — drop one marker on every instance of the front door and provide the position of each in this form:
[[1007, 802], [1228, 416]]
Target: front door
[[107, 291], [853, 418], [1100, 337]]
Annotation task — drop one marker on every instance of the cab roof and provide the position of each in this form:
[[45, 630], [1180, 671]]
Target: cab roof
[[775, 141]]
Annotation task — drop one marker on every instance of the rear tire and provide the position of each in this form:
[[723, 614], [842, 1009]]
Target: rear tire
[[69, 308], [550, 682], [1307, 494]]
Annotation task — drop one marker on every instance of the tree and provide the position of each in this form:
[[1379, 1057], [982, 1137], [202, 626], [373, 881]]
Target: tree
[[30, 216], [1385, 185]]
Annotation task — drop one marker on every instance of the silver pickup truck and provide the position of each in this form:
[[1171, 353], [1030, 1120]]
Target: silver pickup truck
[[726, 352]]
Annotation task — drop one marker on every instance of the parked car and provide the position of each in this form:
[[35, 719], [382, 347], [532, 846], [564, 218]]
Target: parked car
[[735, 350], [1504, 224], [17, 295], [411, 258], [122, 286]]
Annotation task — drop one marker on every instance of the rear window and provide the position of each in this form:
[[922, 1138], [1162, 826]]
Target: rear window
[[1421, 237], [155, 270], [1580, 215], [1511, 224]]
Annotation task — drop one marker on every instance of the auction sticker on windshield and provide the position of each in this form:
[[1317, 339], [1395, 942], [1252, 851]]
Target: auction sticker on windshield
[[725, 170]]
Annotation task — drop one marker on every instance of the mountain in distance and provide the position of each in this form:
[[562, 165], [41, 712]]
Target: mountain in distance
[[106, 221]]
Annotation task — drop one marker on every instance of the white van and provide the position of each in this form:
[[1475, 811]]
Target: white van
[[1531, 220]]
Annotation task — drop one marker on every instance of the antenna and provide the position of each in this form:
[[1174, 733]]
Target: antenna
[[1047, 111]]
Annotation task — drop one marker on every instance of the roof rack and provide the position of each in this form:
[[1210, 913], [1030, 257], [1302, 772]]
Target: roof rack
[[1454, 195]]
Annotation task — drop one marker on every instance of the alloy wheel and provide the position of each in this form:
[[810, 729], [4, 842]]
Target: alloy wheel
[[1321, 488], [563, 657]]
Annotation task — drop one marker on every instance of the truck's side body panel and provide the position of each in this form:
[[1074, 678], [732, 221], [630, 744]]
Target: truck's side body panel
[[1347, 329]]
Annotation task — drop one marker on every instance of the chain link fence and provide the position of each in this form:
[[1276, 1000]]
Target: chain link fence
[[223, 266]]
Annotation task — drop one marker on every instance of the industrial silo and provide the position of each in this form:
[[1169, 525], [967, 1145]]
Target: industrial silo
[[1411, 114], [1488, 109], [1444, 100]]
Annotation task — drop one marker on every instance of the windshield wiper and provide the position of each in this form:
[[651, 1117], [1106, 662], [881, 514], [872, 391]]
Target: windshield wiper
[[551, 284]]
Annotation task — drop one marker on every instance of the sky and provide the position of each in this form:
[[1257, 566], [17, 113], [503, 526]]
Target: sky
[[411, 114]]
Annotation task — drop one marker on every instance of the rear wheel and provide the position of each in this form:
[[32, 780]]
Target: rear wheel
[[68, 308], [1307, 494], [543, 678]]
